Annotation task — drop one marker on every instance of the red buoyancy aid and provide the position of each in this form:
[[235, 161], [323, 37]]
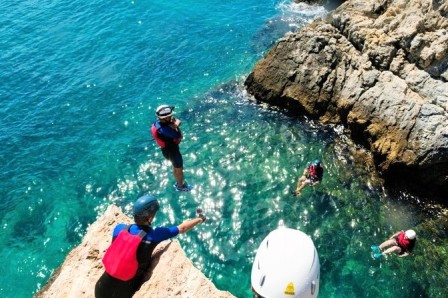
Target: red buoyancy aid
[[403, 242], [120, 259], [313, 172], [155, 134]]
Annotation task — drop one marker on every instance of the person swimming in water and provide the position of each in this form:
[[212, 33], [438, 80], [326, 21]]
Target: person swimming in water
[[312, 176], [401, 243]]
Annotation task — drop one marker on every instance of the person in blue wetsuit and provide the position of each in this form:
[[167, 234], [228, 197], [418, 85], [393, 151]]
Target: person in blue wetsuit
[[145, 209], [312, 176], [167, 134]]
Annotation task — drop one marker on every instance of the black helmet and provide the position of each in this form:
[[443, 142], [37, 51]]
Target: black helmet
[[146, 205]]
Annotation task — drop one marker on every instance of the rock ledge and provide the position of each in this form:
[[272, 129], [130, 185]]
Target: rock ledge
[[172, 273]]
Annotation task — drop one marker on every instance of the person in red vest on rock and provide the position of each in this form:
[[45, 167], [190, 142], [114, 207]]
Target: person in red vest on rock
[[312, 176], [167, 134], [401, 243], [112, 284]]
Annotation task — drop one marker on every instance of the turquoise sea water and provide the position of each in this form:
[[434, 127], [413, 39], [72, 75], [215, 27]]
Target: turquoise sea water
[[79, 85]]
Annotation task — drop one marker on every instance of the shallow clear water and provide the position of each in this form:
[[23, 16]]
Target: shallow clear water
[[80, 82]]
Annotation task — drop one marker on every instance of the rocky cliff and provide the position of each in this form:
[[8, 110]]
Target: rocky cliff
[[172, 274], [380, 67]]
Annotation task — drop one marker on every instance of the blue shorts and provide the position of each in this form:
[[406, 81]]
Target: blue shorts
[[173, 155]]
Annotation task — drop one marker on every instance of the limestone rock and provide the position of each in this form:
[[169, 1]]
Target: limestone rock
[[172, 273], [378, 67]]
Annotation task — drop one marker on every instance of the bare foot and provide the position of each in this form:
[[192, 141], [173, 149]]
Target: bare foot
[[296, 193]]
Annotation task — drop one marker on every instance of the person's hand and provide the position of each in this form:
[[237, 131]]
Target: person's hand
[[176, 122], [201, 215]]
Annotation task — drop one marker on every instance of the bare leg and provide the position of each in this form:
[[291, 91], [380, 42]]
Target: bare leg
[[179, 176], [390, 242], [395, 249], [301, 183]]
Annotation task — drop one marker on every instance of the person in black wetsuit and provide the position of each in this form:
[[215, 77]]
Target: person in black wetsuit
[[145, 209], [167, 134]]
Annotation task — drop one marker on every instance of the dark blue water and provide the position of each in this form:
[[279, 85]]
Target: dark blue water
[[79, 85]]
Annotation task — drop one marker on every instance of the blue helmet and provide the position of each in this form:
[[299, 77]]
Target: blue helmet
[[146, 205], [316, 162]]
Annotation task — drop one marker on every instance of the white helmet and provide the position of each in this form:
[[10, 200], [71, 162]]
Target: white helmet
[[164, 111], [410, 234], [286, 266]]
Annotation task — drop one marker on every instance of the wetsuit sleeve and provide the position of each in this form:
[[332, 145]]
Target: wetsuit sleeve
[[162, 233], [117, 230], [167, 131]]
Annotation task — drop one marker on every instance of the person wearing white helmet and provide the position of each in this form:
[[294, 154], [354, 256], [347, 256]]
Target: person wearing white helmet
[[401, 243], [167, 134], [286, 265]]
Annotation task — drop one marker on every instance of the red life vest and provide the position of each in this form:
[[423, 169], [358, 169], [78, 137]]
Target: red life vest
[[120, 259], [312, 171], [403, 242], [156, 135]]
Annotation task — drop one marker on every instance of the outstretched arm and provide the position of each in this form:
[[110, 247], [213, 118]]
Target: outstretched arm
[[189, 224]]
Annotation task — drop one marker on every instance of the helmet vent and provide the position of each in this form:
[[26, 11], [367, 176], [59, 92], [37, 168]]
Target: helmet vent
[[262, 279]]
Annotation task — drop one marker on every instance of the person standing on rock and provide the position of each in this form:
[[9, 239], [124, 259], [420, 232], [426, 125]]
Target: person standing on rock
[[145, 209], [167, 134], [312, 176]]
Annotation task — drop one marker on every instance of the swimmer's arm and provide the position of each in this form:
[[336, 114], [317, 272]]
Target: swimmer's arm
[[404, 255]]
